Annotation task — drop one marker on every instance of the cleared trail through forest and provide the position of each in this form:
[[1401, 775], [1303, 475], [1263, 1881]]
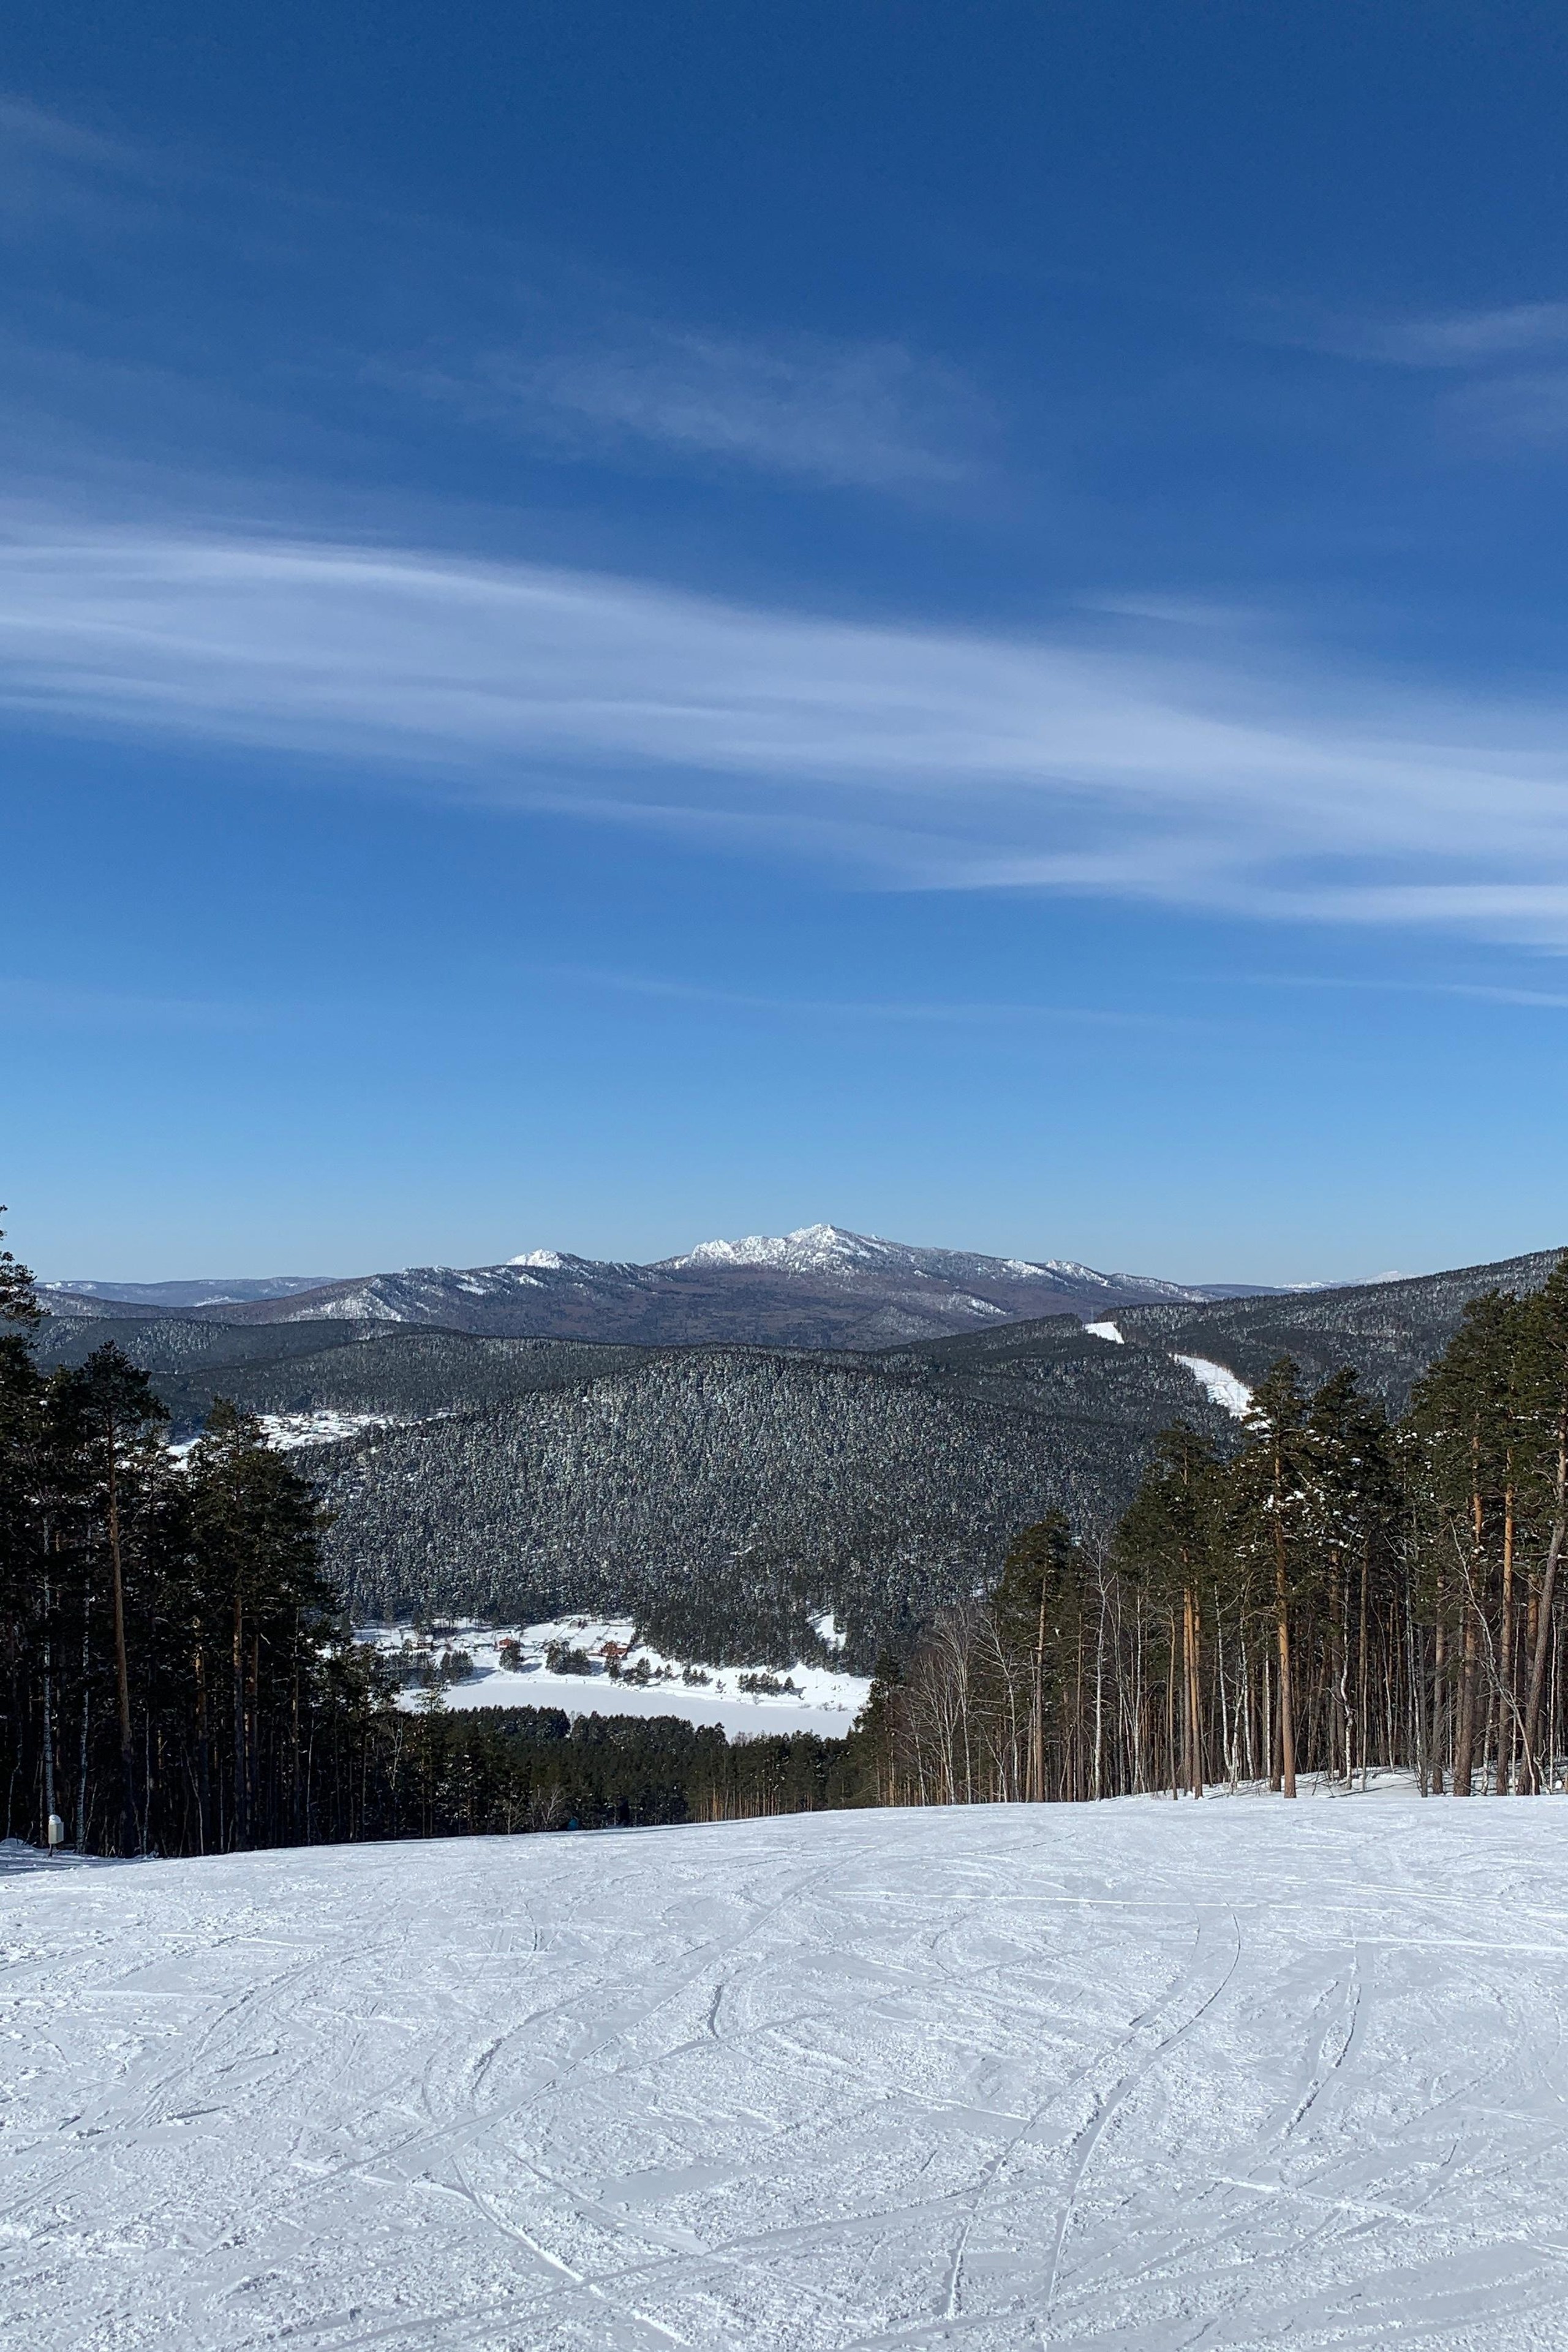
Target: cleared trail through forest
[[1134, 2075]]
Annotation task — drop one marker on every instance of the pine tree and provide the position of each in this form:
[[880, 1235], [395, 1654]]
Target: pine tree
[[18, 1300], [1544, 1405], [260, 1602], [1275, 1486], [1355, 1512], [1037, 1612], [106, 1414], [1465, 1412], [1165, 1546]]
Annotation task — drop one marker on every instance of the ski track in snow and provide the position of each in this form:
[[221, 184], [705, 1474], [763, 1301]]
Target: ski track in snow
[[1138, 2077], [1234, 1395]]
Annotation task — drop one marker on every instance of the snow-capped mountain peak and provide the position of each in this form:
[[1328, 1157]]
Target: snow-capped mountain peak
[[836, 1252], [810, 1249]]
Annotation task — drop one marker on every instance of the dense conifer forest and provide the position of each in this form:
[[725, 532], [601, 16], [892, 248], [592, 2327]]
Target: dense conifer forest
[[180, 1676], [1334, 1592]]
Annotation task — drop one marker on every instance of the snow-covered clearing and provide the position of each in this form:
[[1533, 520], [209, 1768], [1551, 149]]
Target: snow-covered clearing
[[323, 1427], [1105, 1331], [287, 1431], [1140, 2075], [823, 1700], [1226, 1391]]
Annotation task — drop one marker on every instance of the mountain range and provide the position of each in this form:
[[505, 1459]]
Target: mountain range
[[820, 1287]]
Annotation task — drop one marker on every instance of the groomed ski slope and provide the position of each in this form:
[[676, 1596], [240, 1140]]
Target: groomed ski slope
[[1133, 2075]]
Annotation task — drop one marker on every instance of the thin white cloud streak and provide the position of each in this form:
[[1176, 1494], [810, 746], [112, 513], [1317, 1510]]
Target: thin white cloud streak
[[1497, 401], [52, 1004], [1528, 410], [1475, 992], [891, 1010], [867, 415], [28, 135], [1456, 338], [915, 758], [542, 349]]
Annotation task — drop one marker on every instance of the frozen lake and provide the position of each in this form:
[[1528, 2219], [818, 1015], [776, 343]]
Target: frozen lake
[[1137, 2076]]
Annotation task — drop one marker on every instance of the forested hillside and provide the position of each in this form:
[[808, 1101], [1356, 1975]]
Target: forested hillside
[[1337, 1590], [1389, 1331], [347, 1367], [725, 1497], [726, 1494]]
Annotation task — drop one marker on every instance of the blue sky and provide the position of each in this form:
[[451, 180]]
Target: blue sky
[[623, 623]]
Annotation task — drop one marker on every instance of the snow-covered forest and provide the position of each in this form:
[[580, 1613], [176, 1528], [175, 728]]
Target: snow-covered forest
[[1313, 1588]]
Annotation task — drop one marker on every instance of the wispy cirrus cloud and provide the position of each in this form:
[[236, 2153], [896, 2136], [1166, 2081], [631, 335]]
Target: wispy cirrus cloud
[[36, 146], [369, 321], [871, 415], [908, 756], [897, 1012], [50, 1004], [1526, 410], [1453, 338], [1511, 363]]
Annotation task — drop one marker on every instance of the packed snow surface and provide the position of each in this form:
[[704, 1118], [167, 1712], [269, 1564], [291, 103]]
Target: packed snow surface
[[1234, 1395], [1138, 2076], [1105, 1331], [511, 1668]]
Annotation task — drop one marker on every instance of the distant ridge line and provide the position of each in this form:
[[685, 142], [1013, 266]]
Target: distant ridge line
[[820, 1286]]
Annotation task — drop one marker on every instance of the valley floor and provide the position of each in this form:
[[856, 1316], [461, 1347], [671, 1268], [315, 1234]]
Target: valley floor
[[794, 1698], [1131, 2075]]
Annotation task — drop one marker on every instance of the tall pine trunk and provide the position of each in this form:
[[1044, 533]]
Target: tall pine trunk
[[241, 1760], [127, 1840], [1507, 1696], [1544, 1617], [1282, 1607]]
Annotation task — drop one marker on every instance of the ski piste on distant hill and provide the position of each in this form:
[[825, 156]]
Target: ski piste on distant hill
[[821, 1286]]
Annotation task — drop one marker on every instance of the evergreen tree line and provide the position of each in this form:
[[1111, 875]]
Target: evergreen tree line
[[177, 1678], [1337, 1594], [500, 1771]]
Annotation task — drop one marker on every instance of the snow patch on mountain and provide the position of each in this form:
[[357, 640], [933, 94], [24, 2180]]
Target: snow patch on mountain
[[287, 1431], [364, 1306]]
